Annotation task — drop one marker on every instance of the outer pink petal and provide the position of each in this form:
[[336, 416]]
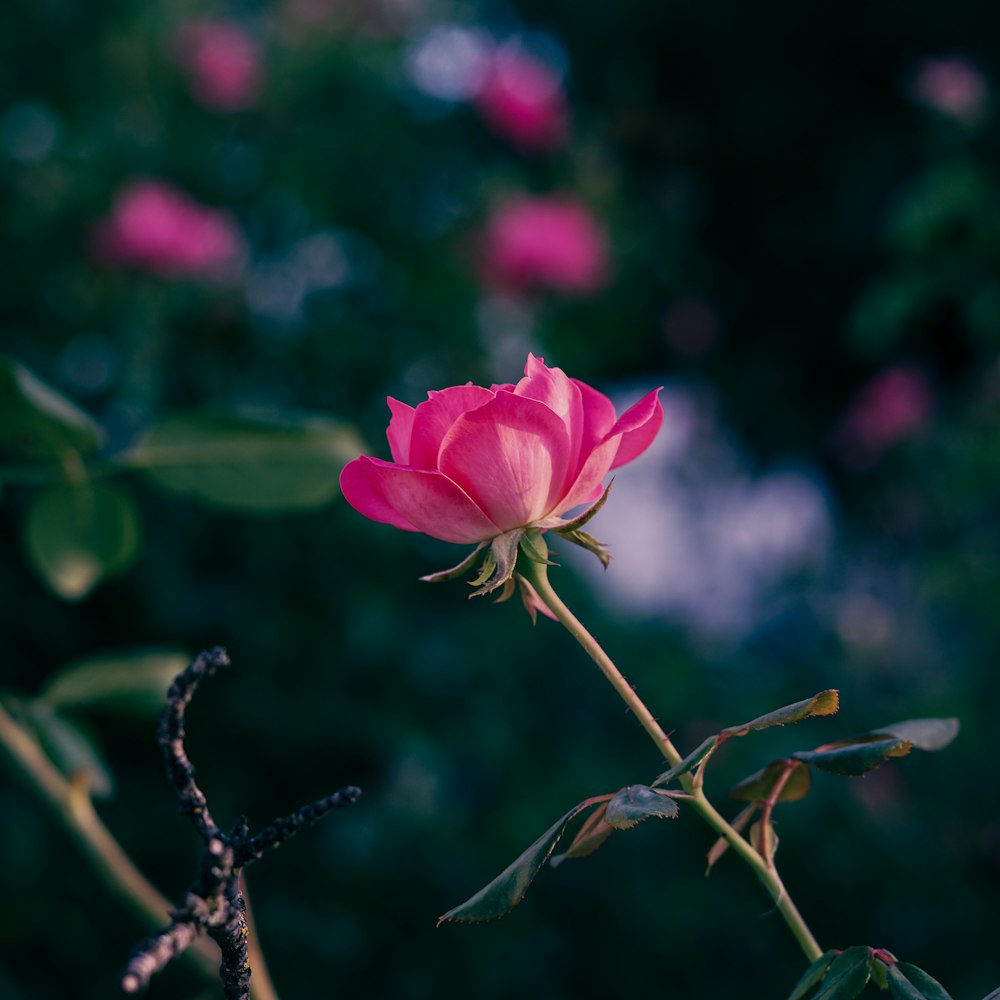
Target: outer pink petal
[[511, 457], [414, 500], [638, 426], [434, 417], [588, 484], [399, 430]]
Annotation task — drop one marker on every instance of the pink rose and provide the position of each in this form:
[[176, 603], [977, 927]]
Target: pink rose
[[470, 464], [552, 242], [522, 100], [890, 407], [222, 63], [157, 228], [952, 86]]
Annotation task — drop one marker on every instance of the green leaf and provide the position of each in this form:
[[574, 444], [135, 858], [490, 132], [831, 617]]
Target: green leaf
[[71, 750], [854, 757], [924, 734], [764, 840], [847, 976], [760, 785], [824, 703], [38, 421], [904, 976], [249, 463], [593, 832], [77, 536], [689, 763], [509, 887], [135, 680], [813, 976], [634, 803], [900, 988]]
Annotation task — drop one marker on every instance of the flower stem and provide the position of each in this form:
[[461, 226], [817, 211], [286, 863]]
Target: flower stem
[[537, 576], [72, 807]]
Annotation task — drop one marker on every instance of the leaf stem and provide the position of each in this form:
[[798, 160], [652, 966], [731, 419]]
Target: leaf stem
[[72, 807], [536, 574]]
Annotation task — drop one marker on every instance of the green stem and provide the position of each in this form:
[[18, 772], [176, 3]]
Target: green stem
[[72, 807], [535, 573]]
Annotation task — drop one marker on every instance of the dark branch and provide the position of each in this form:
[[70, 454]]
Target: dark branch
[[213, 903]]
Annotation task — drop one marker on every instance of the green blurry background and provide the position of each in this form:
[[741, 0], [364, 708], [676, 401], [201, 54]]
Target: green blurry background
[[805, 244]]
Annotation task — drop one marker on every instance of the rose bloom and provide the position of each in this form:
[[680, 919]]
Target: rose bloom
[[471, 463], [222, 63], [552, 242], [892, 406], [157, 228], [952, 86], [522, 100]]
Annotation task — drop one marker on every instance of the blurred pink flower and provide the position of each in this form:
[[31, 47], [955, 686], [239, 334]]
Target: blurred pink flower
[[953, 86], [890, 407], [522, 100], [552, 242], [222, 63], [155, 227]]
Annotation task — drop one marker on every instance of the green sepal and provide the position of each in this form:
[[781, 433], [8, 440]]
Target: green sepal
[[581, 519], [498, 566], [589, 543], [534, 547], [813, 976], [455, 572], [508, 888]]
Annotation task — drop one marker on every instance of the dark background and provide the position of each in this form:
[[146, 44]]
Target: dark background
[[768, 169]]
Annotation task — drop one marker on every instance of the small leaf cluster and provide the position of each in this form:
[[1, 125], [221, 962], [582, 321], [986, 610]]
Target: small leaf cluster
[[79, 529], [788, 779], [843, 975], [784, 780]]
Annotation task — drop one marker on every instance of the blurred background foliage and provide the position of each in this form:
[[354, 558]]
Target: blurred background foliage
[[233, 229]]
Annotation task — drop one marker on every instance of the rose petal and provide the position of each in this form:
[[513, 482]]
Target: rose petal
[[399, 430], [588, 485], [510, 456], [414, 500], [561, 395], [435, 416], [638, 425], [598, 415]]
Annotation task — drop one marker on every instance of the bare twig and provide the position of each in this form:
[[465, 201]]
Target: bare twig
[[213, 903]]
